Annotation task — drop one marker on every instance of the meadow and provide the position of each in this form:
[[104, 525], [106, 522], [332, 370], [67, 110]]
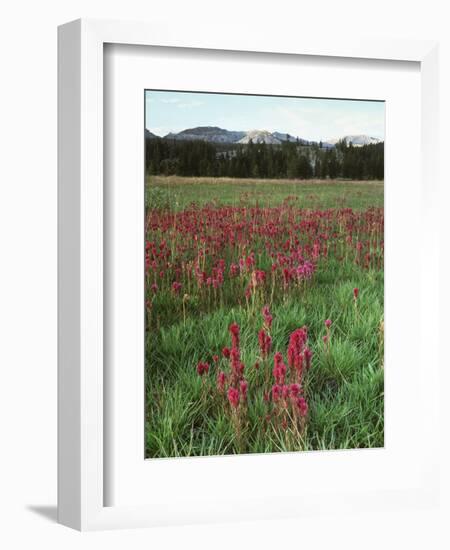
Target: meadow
[[264, 315]]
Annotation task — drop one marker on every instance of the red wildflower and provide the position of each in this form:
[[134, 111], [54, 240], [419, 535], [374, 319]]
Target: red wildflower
[[295, 350], [265, 343], [240, 369], [243, 385], [234, 330], [276, 393], [221, 379], [279, 371], [302, 406], [267, 317], [234, 270], [176, 287], [277, 358], [202, 368], [308, 356], [233, 397], [235, 357], [258, 278]]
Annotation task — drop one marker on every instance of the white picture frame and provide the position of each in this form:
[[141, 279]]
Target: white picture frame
[[82, 484]]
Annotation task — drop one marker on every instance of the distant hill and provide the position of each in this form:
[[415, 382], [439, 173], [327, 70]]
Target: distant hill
[[214, 134], [356, 140], [288, 137], [150, 135], [260, 136]]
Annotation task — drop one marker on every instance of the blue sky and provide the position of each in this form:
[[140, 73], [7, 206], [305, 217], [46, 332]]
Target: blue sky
[[314, 119]]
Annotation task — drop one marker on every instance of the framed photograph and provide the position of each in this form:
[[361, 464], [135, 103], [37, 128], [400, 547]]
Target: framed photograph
[[246, 326]]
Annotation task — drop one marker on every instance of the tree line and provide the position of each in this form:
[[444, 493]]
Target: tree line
[[261, 160]]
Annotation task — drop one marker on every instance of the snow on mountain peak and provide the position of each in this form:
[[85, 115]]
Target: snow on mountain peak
[[260, 136], [357, 140]]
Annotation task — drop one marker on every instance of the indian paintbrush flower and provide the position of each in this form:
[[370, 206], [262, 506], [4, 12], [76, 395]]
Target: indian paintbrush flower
[[202, 368], [233, 397]]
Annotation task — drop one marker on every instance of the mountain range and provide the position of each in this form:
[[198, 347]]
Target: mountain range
[[356, 140], [214, 134]]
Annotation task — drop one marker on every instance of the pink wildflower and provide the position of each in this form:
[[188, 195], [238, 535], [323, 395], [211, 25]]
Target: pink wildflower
[[302, 406], [176, 287], [233, 397], [276, 393], [243, 385], [234, 330], [221, 379], [267, 317], [308, 355]]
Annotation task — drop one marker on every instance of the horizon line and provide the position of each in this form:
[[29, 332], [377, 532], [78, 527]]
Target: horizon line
[[328, 140]]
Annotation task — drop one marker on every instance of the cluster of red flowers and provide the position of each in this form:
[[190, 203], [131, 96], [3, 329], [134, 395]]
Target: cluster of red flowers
[[202, 250], [214, 256], [285, 399], [287, 395]]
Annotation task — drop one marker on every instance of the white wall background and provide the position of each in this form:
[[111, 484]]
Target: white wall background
[[28, 269]]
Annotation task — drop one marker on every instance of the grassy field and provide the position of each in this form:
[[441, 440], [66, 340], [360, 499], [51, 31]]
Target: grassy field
[[218, 251], [180, 192]]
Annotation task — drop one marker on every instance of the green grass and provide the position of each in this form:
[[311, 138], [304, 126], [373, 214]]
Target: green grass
[[185, 415], [180, 192]]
